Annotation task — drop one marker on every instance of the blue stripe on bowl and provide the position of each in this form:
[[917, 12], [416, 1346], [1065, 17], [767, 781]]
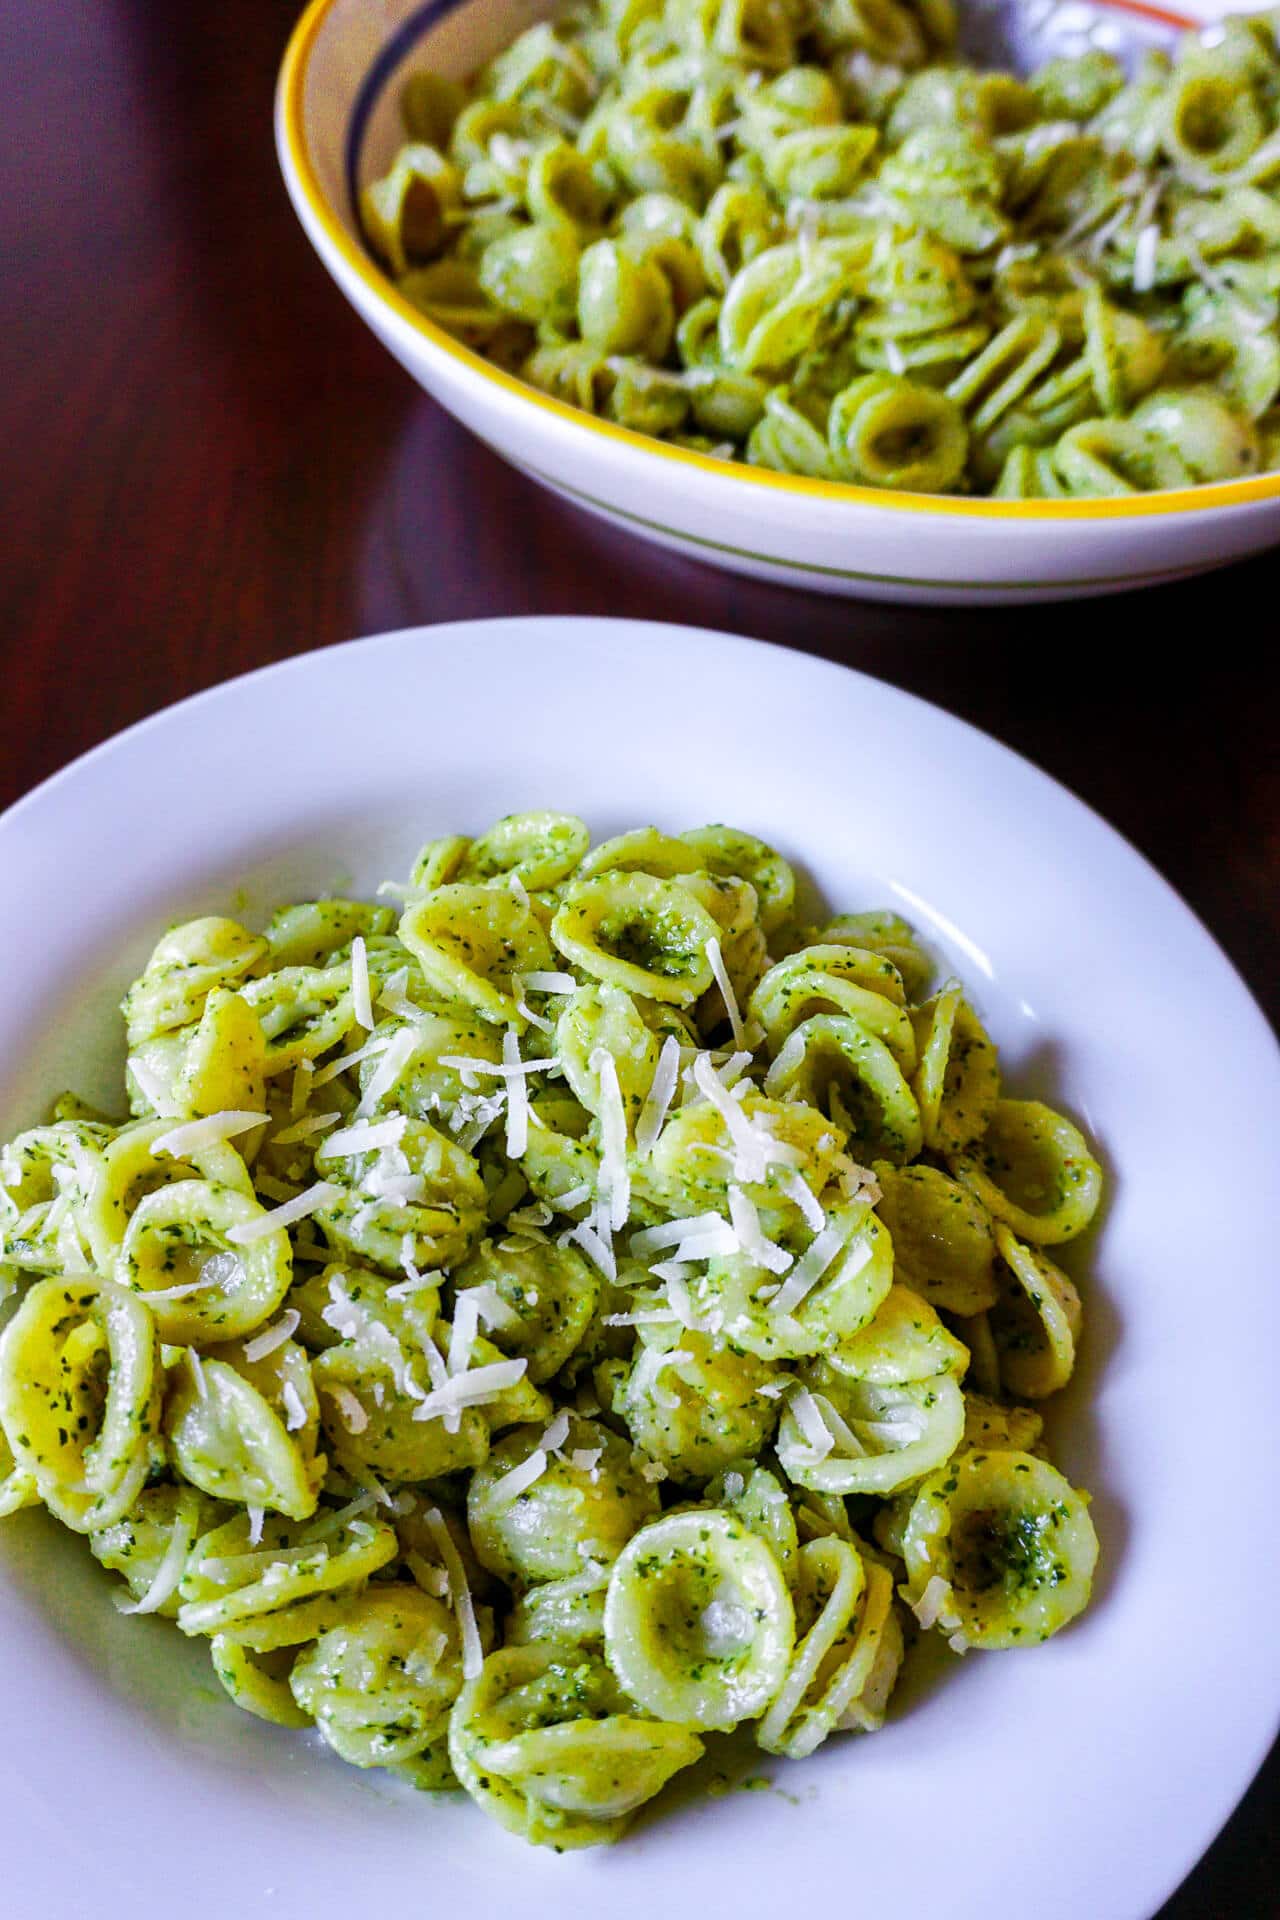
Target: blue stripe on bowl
[[401, 44]]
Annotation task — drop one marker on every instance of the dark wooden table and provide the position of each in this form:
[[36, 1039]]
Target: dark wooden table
[[207, 463]]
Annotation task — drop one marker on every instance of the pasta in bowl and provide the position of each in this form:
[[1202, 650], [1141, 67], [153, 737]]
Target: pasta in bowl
[[593, 1308], [832, 275]]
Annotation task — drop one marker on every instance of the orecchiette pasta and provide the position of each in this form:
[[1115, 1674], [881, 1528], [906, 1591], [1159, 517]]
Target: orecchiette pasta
[[478, 1325], [812, 240]]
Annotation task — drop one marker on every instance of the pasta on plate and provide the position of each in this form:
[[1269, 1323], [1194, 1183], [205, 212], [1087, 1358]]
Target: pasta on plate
[[582, 1311], [803, 234]]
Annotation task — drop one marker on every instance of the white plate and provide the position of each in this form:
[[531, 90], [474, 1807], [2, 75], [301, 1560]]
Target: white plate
[[1079, 1782]]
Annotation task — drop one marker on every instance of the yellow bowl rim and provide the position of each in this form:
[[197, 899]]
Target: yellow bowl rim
[[290, 93]]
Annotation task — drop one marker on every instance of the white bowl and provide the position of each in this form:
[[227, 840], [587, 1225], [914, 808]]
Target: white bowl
[[337, 125], [1079, 1781]]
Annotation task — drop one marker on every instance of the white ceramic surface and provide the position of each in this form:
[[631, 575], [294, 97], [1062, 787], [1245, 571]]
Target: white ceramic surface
[[1076, 1782], [338, 92]]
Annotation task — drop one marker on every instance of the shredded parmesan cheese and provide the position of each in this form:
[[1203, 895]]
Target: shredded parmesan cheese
[[725, 985], [542, 981], [364, 1137], [813, 1263], [273, 1336], [517, 1095], [511, 1485], [808, 1417], [320, 1076], [658, 1099], [350, 1411], [311, 1201], [361, 998], [395, 1058], [469, 1633], [167, 1577], [614, 1176], [295, 1412], [153, 1088], [194, 1134], [751, 1236], [473, 1389]]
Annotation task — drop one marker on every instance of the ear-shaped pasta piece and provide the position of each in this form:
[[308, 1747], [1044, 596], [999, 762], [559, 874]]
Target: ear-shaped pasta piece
[[223, 1063], [948, 181], [1000, 1550], [828, 1296], [904, 1341], [245, 1429], [624, 302], [820, 163], [1033, 1170], [556, 1160], [734, 855], [17, 1486], [1036, 1322], [380, 1684], [1007, 366], [133, 1165], [303, 1011], [888, 431], [80, 1387], [1125, 356], [406, 214], [314, 932], [540, 849], [251, 1588], [535, 1514], [370, 1392], [787, 440], [832, 1063], [470, 941], [699, 1625], [547, 1743], [886, 934], [421, 1194], [605, 1017], [835, 979], [691, 1164], [757, 1498], [439, 862], [990, 1427], [1195, 429], [957, 1082], [183, 970], [876, 1661], [258, 1682], [569, 1612], [1212, 121], [849, 1436], [634, 931], [549, 1295], [180, 1253], [533, 273], [690, 1405], [48, 1176], [563, 185], [1221, 345], [885, 29], [773, 306], [842, 1606], [151, 1545], [943, 1241], [739, 224]]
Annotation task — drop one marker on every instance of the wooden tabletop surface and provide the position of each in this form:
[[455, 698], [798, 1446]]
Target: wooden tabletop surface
[[207, 463]]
